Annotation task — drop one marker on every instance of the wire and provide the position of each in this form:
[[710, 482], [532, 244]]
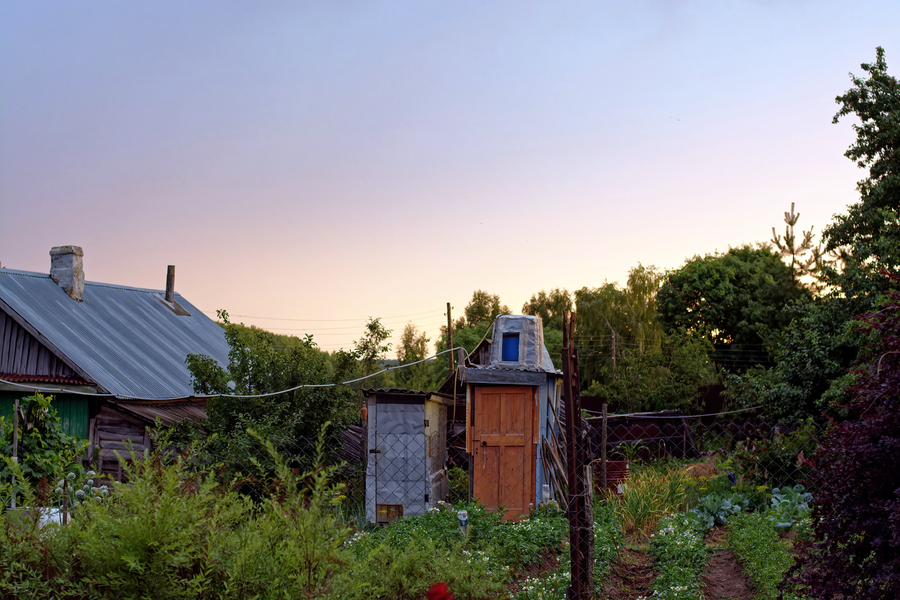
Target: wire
[[209, 312], [305, 385], [656, 416]]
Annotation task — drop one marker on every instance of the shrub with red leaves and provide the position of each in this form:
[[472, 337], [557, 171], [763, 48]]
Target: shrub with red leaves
[[856, 513], [439, 591]]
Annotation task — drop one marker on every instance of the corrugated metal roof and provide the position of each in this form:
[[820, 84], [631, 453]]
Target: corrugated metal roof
[[125, 339], [168, 412]]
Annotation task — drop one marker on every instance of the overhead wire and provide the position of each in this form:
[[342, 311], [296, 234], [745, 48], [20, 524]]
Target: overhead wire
[[266, 395]]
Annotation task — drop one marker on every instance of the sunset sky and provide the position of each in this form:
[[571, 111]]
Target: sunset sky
[[319, 163]]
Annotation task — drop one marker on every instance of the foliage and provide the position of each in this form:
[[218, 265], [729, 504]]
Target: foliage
[[779, 461], [810, 376], [680, 553], [45, 450], [790, 505], [718, 507], [291, 420], [788, 246], [459, 485], [738, 300], [372, 348], [406, 572], [754, 540], [856, 508], [650, 494], [669, 377], [75, 490], [172, 533], [550, 307], [868, 235], [413, 347], [624, 319]]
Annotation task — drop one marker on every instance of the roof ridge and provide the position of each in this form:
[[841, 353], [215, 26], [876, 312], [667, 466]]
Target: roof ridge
[[130, 288]]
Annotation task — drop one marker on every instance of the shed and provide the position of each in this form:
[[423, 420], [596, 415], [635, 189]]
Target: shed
[[512, 416], [406, 472]]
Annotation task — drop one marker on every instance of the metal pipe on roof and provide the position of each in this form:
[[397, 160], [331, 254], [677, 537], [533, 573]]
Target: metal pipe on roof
[[170, 284]]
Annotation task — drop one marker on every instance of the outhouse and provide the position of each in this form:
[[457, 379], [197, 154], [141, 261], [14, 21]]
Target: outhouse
[[407, 453], [512, 416]]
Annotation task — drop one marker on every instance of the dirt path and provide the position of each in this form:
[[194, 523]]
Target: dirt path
[[724, 579], [630, 577]]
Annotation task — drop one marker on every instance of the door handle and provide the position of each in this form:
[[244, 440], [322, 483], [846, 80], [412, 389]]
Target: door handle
[[483, 443]]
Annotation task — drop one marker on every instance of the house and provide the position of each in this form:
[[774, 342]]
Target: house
[[513, 431], [115, 355]]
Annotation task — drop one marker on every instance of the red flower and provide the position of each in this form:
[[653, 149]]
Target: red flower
[[439, 591]]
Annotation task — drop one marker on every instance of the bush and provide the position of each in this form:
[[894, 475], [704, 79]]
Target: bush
[[45, 450], [779, 461], [856, 512]]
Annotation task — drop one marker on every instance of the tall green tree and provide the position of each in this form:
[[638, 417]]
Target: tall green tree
[[613, 321], [738, 300], [413, 347], [868, 235]]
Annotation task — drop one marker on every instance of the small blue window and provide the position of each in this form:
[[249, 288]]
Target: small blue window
[[510, 351]]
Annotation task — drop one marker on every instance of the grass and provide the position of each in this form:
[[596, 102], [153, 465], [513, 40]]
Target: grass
[[650, 494]]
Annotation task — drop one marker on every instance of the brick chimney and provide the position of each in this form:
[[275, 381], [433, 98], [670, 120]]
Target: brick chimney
[[67, 270]]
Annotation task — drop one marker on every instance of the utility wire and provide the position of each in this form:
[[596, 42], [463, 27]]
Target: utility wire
[[305, 385]]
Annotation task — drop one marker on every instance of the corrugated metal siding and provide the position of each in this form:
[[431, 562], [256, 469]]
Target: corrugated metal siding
[[71, 410], [124, 338], [21, 353]]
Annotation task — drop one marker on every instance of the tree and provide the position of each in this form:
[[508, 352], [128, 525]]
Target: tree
[[867, 237], [371, 348], [788, 246], [413, 347], [550, 308], [483, 308], [613, 320], [810, 375], [738, 300], [291, 420], [856, 513]]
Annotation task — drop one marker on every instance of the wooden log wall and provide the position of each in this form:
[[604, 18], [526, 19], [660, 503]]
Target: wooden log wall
[[112, 432]]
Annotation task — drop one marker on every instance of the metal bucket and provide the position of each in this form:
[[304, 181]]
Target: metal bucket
[[616, 475]]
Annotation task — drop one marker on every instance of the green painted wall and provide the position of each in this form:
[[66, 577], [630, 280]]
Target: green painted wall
[[72, 410]]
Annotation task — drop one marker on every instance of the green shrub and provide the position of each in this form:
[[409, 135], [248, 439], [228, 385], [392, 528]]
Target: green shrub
[[45, 450], [406, 572], [778, 461], [459, 485]]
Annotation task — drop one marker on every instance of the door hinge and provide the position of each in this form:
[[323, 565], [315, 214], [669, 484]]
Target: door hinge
[[426, 497]]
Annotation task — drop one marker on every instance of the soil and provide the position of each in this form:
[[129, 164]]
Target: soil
[[548, 563], [724, 578], [630, 577]]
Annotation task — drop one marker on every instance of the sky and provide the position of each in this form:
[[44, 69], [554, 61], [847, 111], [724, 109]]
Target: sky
[[308, 165]]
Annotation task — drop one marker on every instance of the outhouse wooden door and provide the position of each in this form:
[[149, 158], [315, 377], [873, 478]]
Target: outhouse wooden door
[[503, 449]]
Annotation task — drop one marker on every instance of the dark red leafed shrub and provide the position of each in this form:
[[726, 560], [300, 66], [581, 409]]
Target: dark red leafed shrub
[[856, 513]]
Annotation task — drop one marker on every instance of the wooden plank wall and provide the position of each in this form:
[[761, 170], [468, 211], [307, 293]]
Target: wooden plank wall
[[112, 432]]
